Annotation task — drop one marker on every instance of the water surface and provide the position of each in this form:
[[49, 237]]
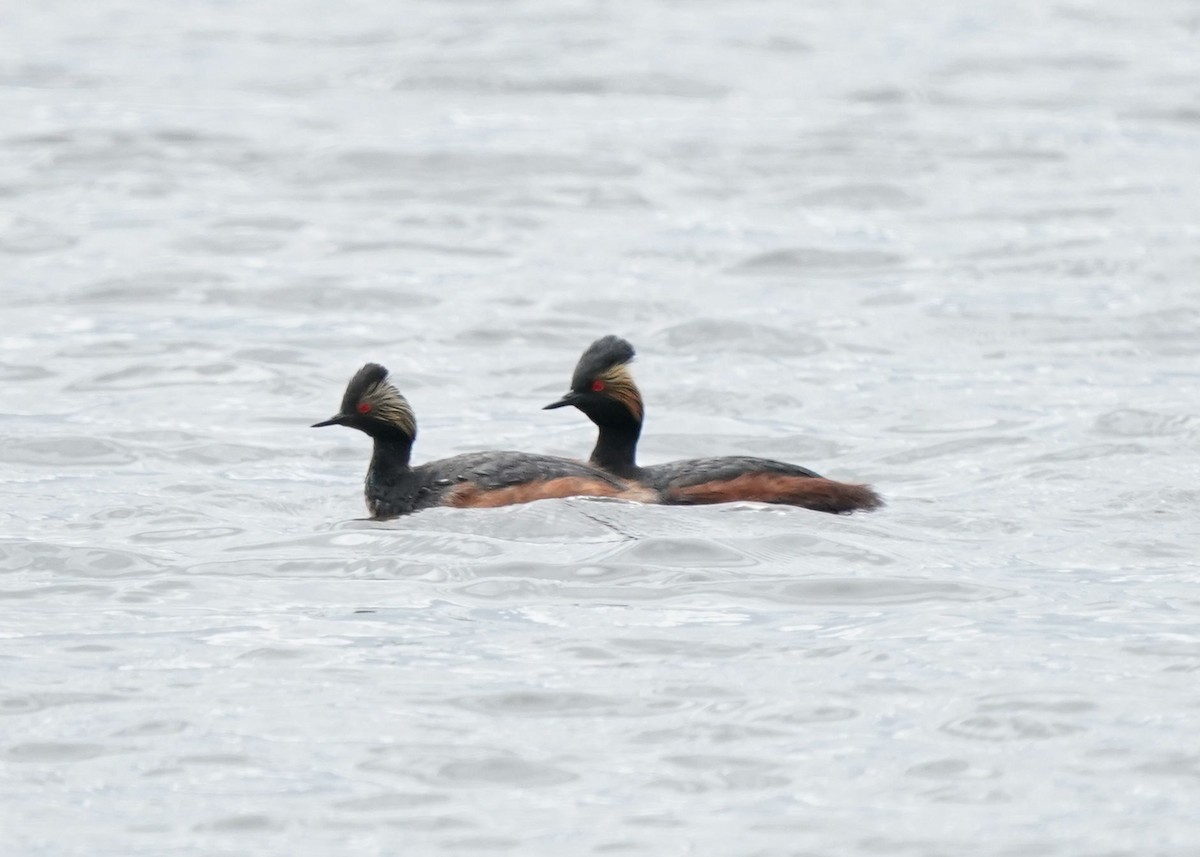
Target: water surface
[[950, 250]]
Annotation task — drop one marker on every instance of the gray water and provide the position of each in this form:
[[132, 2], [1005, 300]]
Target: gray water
[[947, 248]]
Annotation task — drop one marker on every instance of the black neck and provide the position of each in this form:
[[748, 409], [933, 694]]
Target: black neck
[[392, 453], [616, 449]]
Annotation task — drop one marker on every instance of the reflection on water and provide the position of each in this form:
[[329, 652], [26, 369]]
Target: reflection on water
[[950, 253]]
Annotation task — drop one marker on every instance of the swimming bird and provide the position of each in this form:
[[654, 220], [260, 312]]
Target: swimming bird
[[373, 405], [604, 390]]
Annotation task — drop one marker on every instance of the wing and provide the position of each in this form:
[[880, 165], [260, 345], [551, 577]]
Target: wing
[[494, 470], [699, 471]]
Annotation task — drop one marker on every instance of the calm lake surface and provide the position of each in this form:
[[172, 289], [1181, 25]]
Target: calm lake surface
[[951, 249]]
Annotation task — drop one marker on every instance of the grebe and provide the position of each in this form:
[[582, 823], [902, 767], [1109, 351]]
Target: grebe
[[373, 405], [604, 390]]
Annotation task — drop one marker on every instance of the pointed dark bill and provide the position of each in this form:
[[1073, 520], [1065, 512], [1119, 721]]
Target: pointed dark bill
[[568, 399]]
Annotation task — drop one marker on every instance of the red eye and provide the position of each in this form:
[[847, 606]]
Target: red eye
[[364, 407], [597, 386]]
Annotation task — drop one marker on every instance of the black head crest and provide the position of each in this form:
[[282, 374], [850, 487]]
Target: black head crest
[[373, 404], [602, 355], [365, 379]]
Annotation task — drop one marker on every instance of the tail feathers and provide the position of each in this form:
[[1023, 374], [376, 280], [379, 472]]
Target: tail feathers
[[816, 493]]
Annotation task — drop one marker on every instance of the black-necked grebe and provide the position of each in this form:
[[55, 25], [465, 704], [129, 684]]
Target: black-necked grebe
[[604, 390], [373, 405]]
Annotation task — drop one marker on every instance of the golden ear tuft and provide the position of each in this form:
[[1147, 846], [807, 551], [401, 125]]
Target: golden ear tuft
[[618, 385]]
